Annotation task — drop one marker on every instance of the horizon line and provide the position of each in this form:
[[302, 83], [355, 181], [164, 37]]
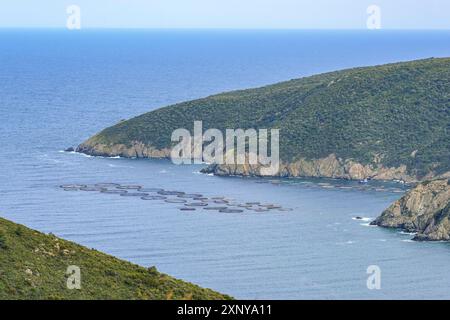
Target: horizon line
[[222, 28]]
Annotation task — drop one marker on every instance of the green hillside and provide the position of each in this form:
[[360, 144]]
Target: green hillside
[[33, 266], [398, 114]]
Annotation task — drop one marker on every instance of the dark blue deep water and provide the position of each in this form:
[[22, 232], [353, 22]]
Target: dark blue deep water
[[57, 88]]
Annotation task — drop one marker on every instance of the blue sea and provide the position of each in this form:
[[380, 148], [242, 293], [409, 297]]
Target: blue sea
[[57, 88]]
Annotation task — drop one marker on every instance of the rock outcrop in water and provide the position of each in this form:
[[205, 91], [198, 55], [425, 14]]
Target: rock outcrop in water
[[424, 210]]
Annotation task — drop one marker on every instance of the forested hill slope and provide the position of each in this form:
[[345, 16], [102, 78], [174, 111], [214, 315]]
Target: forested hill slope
[[34, 266], [383, 122]]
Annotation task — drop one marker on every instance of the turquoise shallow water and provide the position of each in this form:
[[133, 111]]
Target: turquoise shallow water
[[58, 88]]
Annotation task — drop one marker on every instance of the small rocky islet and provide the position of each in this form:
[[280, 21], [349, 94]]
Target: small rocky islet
[[189, 201]]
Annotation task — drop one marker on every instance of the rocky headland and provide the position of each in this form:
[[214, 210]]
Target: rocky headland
[[424, 210], [387, 122]]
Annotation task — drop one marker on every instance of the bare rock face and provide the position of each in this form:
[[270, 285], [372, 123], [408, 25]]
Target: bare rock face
[[424, 210], [329, 167], [135, 150]]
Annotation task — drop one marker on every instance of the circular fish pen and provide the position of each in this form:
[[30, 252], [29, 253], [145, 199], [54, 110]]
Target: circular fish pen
[[187, 209], [107, 185], [175, 201], [231, 211], [151, 189], [154, 198], [196, 204], [129, 187], [170, 193], [114, 191], [190, 195], [134, 194], [92, 189], [215, 208]]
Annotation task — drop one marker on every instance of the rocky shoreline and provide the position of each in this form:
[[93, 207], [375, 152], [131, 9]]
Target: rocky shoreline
[[424, 210], [135, 150], [329, 167]]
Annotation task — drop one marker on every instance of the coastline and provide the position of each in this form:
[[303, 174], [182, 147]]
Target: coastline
[[328, 167], [423, 211]]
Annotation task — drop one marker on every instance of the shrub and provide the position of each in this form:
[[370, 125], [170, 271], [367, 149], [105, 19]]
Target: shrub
[[3, 244], [153, 271], [19, 231]]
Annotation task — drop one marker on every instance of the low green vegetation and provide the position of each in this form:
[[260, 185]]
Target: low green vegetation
[[33, 265], [391, 114]]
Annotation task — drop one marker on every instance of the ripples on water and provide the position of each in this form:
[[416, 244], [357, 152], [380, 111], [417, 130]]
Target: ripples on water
[[57, 89]]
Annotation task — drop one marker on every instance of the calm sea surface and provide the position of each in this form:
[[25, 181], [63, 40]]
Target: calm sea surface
[[57, 88]]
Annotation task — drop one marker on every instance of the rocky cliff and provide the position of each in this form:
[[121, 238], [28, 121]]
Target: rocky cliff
[[134, 150], [424, 210], [329, 167]]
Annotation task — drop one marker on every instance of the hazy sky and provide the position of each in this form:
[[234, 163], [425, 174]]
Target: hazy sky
[[303, 14]]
